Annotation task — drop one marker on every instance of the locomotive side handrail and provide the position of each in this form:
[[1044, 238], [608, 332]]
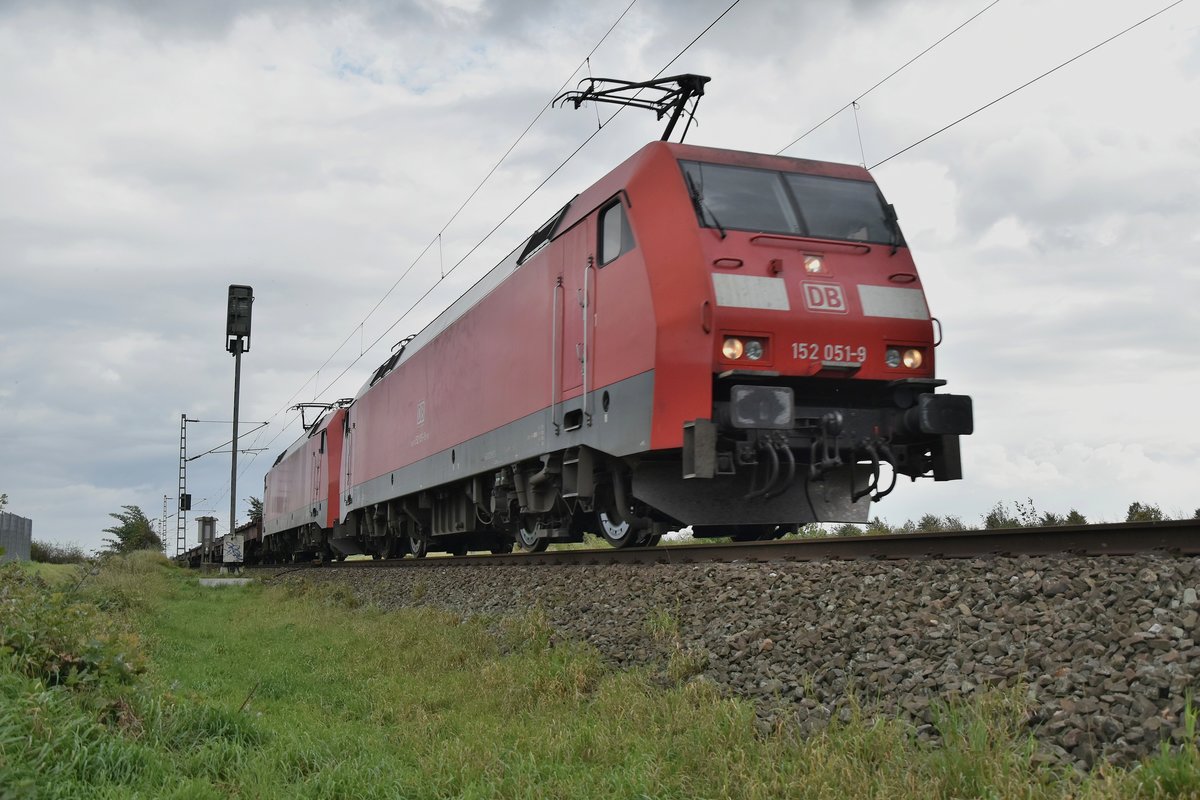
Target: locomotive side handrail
[[555, 355], [591, 267]]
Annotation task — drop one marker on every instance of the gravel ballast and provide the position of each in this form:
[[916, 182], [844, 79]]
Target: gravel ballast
[[1105, 647]]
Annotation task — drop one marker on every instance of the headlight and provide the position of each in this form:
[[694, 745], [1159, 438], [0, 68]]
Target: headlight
[[754, 349], [910, 357], [813, 265], [733, 348]]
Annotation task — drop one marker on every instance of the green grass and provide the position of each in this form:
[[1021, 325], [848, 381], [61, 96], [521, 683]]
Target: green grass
[[258, 693]]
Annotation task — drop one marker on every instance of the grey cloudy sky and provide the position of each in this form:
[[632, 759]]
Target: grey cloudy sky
[[153, 153]]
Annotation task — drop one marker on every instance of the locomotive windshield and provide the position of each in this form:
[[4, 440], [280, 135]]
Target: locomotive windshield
[[744, 198]]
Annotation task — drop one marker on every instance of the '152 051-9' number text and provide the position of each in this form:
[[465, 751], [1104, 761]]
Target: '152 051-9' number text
[[814, 351]]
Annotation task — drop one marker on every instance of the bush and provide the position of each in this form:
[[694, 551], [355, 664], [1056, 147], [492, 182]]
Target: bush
[[50, 553], [877, 527], [1024, 515], [1144, 513], [52, 637]]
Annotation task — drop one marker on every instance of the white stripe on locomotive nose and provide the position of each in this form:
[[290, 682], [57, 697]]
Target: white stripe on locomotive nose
[[888, 301], [751, 291]]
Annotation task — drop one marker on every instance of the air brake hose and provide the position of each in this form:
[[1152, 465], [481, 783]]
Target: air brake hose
[[791, 471], [771, 478], [873, 482], [891, 460]]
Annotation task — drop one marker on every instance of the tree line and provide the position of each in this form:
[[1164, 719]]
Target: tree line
[[132, 531]]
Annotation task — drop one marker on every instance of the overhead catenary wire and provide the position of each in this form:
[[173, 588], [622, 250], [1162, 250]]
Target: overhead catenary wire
[[525, 200], [886, 78], [688, 46], [458, 263], [1028, 83], [436, 239], [257, 426]]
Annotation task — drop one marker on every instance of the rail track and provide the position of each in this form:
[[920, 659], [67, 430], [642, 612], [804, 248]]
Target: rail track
[[1177, 538]]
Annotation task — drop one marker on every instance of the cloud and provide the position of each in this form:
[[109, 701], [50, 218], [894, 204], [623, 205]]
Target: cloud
[[213, 20]]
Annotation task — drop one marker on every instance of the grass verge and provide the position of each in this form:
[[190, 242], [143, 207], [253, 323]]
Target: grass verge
[[257, 692]]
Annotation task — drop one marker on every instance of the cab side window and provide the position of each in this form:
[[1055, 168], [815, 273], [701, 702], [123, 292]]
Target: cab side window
[[616, 238]]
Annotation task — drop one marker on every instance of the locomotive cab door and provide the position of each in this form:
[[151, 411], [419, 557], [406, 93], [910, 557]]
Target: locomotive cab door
[[576, 343], [318, 457]]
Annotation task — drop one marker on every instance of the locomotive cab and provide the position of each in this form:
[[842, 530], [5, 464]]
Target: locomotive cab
[[821, 349]]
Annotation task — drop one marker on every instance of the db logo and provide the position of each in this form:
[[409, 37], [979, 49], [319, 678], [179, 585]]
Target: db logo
[[826, 297]]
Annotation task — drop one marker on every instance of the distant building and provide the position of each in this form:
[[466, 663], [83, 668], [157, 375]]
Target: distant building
[[15, 535]]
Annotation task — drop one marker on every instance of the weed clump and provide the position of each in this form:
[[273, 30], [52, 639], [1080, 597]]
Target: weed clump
[[127, 584], [662, 625], [685, 663]]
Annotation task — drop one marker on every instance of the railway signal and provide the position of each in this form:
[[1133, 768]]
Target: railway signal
[[237, 329]]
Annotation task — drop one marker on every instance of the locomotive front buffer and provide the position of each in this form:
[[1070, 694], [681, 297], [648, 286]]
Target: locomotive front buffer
[[809, 461]]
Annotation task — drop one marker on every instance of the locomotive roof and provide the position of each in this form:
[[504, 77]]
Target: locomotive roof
[[618, 178]]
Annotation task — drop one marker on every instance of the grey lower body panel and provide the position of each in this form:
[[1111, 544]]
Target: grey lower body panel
[[296, 518], [623, 429], [721, 500]]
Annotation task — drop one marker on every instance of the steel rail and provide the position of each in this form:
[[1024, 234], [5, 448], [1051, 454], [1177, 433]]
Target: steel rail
[[1178, 538]]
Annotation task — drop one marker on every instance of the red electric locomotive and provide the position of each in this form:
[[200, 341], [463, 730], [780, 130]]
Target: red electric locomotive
[[302, 489], [704, 337]]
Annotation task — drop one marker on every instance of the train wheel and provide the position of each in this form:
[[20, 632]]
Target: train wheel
[[393, 547], [617, 534], [417, 544], [527, 538]]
